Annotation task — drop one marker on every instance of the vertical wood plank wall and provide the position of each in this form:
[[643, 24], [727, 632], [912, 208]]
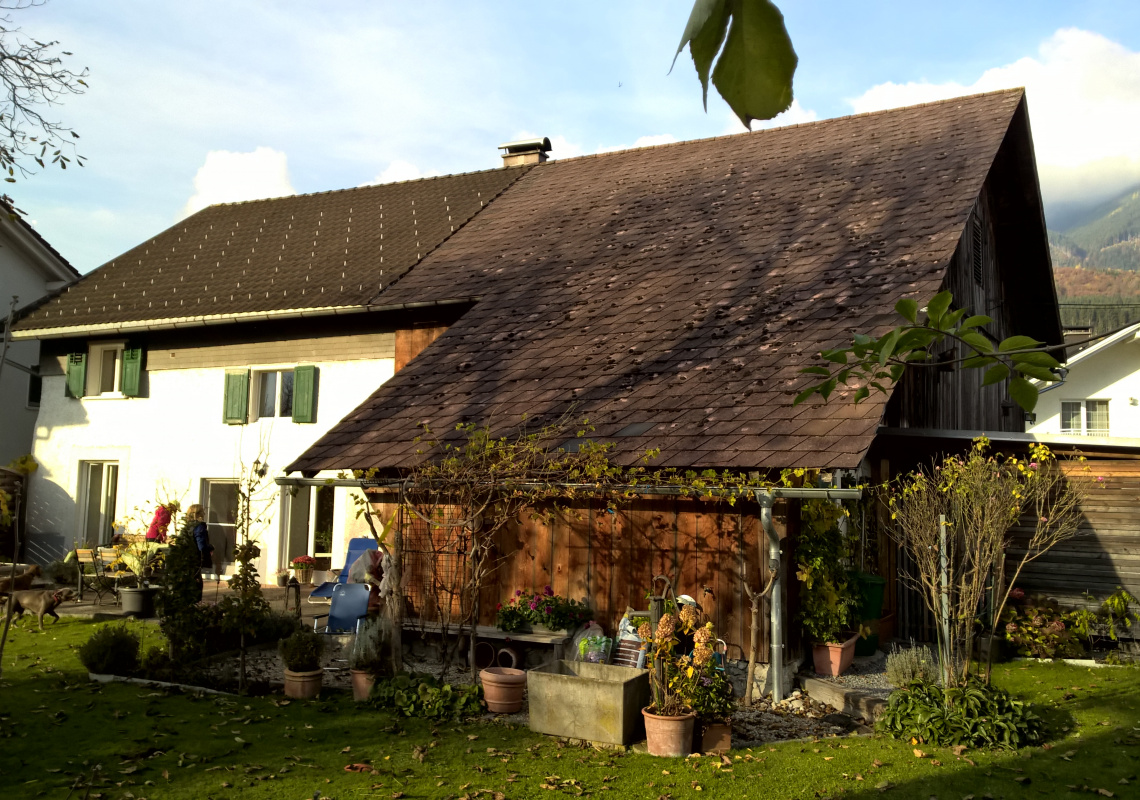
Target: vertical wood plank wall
[[609, 559]]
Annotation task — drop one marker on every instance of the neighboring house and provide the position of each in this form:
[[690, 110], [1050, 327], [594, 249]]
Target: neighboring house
[[246, 329], [673, 295], [1100, 394], [30, 269]]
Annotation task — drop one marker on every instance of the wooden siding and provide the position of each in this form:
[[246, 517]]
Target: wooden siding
[[410, 342], [1106, 554], [947, 399], [609, 559], [359, 347]]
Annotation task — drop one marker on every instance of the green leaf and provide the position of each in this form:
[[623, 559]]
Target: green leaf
[[975, 321], [937, 306], [824, 371], [805, 394], [908, 309], [862, 339], [1034, 371], [862, 393], [1023, 393], [836, 356], [977, 361], [826, 388], [887, 347], [951, 319], [977, 341], [1018, 343], [1037, 359], [704, 33], [995, 374], [755, 69]]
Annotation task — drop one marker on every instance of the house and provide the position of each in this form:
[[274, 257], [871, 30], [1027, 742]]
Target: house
[[1099, 395], [30, 269], [240, 334], [673, 294]]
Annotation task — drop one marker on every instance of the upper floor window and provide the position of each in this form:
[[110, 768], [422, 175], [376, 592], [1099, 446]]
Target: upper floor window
[[107, 369], [1084, 417], [252, 394], [104, 369], [274, 397]]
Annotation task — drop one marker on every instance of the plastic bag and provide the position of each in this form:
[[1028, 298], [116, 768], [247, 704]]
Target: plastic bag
[[592, 644]]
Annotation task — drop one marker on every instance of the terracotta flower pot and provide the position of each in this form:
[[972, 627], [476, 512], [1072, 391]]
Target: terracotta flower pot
[[668, 736], [303, 685], [503, 689], [832, 658], [712, 737], [362, 681]]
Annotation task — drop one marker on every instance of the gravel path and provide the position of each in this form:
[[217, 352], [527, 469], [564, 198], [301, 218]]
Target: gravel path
[[867, 673]]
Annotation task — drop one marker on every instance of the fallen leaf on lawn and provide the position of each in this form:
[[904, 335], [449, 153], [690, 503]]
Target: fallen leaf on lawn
[[226, 785], [397, 795], [959, 749], [828, 758], [918, 753], [345, 750], [882, 786], [936, 762], [1105, 792], [166, 774], [876, 763], [664, 772], [1022, 779]]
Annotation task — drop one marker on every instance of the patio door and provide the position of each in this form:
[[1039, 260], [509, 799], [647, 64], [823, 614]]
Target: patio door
[[220, 499], [100, 490]]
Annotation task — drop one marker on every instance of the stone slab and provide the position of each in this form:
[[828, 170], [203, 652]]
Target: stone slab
[[846, 699]]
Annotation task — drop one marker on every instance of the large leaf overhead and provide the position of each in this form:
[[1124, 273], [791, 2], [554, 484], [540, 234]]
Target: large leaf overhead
[[756, 65]]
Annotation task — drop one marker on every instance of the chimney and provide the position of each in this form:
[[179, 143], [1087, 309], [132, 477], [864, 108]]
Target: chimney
[[528, 151]]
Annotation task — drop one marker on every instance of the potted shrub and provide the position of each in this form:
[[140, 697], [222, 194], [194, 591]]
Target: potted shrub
[[533, 611], [303, 568], [282, 577], [301, 654], [368, 659], [670, 718], [829, 599]]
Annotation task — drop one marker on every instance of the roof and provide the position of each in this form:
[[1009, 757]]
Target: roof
[[672, 294], [284, 256], [59, 266]]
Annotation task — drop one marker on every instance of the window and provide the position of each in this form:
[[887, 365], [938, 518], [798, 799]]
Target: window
[[274, 394], [35, 389], [99, 489], [1084, 417], [220, 499], [107, 369]]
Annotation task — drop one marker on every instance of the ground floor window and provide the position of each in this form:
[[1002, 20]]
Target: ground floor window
[[99, 491], [220, 500], [1084, 417]]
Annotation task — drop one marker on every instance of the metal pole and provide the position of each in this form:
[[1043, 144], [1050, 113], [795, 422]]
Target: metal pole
[[775, 599], [944, 563]]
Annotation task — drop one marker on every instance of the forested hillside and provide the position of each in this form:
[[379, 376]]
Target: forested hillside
[[1109, 238]]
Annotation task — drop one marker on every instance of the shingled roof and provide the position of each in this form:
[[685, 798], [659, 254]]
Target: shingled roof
[[325, 252], [672, 294]]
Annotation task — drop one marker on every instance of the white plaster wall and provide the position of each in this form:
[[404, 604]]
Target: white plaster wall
[[17, 278], [176, 435], [1112, 374]]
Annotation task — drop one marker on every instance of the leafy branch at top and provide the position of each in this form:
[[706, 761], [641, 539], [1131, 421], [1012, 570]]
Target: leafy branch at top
[[940, 338]]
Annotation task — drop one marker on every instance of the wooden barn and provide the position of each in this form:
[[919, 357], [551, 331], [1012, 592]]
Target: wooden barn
[[673, 294]]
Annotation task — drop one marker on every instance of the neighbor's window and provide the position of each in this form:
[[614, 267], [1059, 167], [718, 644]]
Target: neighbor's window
[[1084, 417], [275, 394]]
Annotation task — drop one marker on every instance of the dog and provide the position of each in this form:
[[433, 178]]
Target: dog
[[40, 602], [22, 582]]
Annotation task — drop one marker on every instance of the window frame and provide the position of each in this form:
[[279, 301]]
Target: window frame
[[1083, 416], [257, 376], [96, 352]]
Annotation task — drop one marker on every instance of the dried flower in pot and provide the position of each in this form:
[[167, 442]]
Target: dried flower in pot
[[301, 654], [369, 657]]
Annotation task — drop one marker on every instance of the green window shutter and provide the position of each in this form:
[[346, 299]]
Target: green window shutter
[[236, 411], [305, 393], [76, 374], [132, 371]]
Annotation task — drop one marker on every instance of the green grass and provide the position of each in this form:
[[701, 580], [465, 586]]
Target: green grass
[[58, 728]]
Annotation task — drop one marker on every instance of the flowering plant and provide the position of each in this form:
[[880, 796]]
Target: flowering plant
[[303, 562], [677, 681], [1038, 628], [545, 608]]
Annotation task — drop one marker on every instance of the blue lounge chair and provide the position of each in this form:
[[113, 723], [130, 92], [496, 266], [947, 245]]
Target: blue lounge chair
[[356, 548], [349, 607]]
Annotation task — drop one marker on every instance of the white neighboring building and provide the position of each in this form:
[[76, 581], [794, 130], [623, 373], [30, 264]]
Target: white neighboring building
[[246, 328], [30, 269], [1100, 395]]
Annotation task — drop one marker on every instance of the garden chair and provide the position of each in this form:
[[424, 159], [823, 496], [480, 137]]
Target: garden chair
[[113, 568], [356, 548], [349, 607], [98, 580]]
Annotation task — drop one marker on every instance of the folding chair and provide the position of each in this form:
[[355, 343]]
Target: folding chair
[[113, 568], [98, 581], [349, 607], [356, 548]]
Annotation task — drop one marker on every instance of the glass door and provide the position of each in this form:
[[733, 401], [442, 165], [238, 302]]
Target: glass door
[[221, 501], [100, 495]]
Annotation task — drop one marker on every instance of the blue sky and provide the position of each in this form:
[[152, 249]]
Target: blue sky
[[202, 101]]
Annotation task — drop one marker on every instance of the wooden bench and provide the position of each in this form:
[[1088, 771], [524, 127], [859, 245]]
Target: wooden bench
[[555, 639]]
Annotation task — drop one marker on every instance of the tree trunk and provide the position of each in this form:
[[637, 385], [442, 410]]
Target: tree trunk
[[748, 691]]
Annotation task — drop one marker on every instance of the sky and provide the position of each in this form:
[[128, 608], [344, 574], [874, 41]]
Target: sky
[[200, 102]]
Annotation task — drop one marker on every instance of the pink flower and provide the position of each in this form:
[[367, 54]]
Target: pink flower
[[533, 604], [1044, 519], [1010, 627], [548, 591], [1017, 594], [499, 607], [1099, 479], [518, 592], [1033, 465]]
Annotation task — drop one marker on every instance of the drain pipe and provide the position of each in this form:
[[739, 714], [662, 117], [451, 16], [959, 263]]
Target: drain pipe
[[766, 498]]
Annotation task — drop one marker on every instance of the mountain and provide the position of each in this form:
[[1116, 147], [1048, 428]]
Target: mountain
[[1104, 237]]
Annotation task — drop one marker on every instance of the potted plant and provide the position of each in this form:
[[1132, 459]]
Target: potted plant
[[503, 689], [303, 568], [545, 611], [301, 654], [829, 599], [669, 718], [367, 659], [709, 694], [282, 577]]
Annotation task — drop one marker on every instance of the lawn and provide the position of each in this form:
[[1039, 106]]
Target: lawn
[[60, 731]]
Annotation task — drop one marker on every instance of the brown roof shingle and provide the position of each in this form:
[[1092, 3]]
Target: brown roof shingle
[[686, 285]]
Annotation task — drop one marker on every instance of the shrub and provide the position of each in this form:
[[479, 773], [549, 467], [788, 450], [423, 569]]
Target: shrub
[[415, 695], [274, 626], [302, 651], [369, 651], [157, 664], [907, 665], [62, 572], [113, 649], [1039, 628], [976, 715]]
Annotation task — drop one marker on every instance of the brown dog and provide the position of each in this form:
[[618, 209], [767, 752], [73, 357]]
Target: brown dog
[[40, 602], [23, 582]]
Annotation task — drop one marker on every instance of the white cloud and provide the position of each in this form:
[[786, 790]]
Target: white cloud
[[227, 177], [400, 170], [1084, 105], [651, 141], [795, 115]]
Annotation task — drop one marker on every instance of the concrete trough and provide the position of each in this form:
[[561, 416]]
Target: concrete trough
[[594, 702]]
